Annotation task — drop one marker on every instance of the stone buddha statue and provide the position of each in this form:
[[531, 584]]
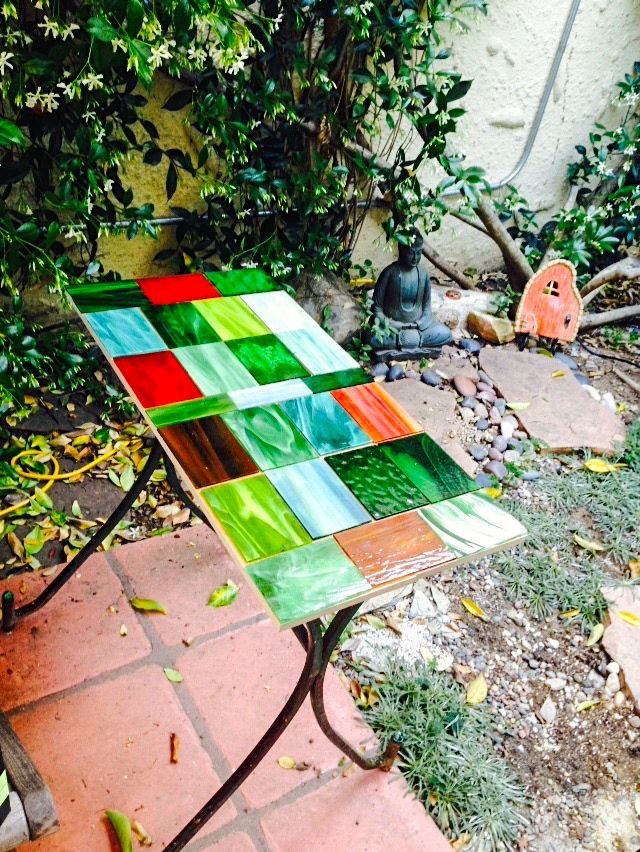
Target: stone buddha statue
[[402, 305]]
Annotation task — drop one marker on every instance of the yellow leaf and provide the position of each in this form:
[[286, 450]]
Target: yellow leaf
[[587, 705], [585, 543], [477, 690], [30, 400], [375, 621], [473, 608], [15, 544], [144, 838], [595, 635], [570, 613], [286, 762], [545, 352], [518, 406], [602, 466], [494, 493], [558, 374], [629, 618], [146, 605]]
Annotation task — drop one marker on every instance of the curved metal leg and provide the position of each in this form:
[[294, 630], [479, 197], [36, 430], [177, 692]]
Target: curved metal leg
[[92, 545], [174, 482], [313, 662]]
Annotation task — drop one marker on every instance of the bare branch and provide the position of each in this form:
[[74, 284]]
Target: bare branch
[[444, 266], [627, 269], [517, 265], [606, 317]]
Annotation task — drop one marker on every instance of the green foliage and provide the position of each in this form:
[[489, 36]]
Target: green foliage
[[619, 338], [447, 756], [631, 453]]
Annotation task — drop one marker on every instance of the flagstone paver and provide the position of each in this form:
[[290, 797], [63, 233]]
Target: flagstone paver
[[621, 640], [96, 714]]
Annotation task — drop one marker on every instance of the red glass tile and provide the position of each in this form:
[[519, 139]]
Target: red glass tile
[[157, 379], [168, 290]]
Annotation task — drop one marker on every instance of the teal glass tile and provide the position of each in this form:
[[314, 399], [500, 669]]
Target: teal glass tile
[[180, 324], [267, 359], [376, 481], [125, 331], [236, 282], [269, 436], [472, 523], [325, 423], [301, 584], [429, 468], [318, 497], [268, 394], [213, 368], [107, 296], [182, 412], [339, 379], [317, 351], [254, 517], [230, 318], [279, 311]]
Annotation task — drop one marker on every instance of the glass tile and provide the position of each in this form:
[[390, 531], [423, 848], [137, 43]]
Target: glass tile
[[377, 412], [317, 351], [157, 379], [394, 549], [472, 523], [269, 436], [213, 368], [301, 584], [169, 289], [207, 451], [255, 518], [279, 311], [107, 296], [376, 481], [339, 379], [324, 423], [433, 471], [236, 282], [180, 325], [231, 318], [125, 331], [268, 394], [267, 359], [319, 499], [181, 412]]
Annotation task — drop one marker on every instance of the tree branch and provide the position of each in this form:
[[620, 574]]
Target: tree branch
[[468, 221], [606, 317], [448, 268], [623, 270], [517, 265]]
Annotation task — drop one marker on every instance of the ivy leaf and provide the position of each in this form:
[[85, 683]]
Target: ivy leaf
[[122, 828], [101, 29], [148, 605], [224, 595]]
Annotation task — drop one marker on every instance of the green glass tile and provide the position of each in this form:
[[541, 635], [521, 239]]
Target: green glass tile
[[301, 584], [269, 436], [231, 318], [267, 359], [181, 412], [429, 468], [255, 517], [89, 298], [471, 523], [376, 481], [180, 324], [235, 282], [325, 423], [213, 368], [340, 379]]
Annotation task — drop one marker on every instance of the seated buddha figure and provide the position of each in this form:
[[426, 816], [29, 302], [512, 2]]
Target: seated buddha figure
[[402, 305]]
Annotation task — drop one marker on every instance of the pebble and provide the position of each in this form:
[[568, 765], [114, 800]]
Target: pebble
[[481, 411], [507, 429], [593, 393], [466, 414], [634, 721], [494, 416], [396, 372], [613, 667], [478, 453], [594, 679], [430, 377], [547, 713], [496, 468], [581, 788], [411, 374], [464, 385], [483, 480], [555, 684], [380, 369], [483, 386], [469, 345], [482, 425], [619, 700], [531, 475], [511, 456], [612, 684], [533, 663], [485, 378], [501, 405], [514, 444], [520, 434], [495, 455], [468, 402], [566, 360], [487, 396], [500, 443]]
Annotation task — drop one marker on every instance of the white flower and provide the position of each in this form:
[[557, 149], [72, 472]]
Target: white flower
[[49, 102], [92, 81], [5, 56], [50, 27], [118, 43], [160, 53], [67, 31]]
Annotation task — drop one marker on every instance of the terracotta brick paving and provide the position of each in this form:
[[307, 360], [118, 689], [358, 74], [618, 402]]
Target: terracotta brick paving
[[96, 712]]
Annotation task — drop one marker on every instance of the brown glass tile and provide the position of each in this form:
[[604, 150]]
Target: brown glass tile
[[394, 549], [207, 451]]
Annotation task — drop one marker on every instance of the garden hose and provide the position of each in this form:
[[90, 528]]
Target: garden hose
[[49, 478]]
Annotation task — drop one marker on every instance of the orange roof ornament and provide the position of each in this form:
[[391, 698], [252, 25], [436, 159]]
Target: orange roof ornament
[[551, 306]]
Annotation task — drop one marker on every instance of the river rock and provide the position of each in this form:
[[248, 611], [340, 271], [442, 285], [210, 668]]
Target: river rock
[[547, 713], [380, 369], [494, 416], [496, 468], [411, 374], [478, 452], [430, 377], [483, 480], [395, 372], [464, 386], [495, 455], [481, 411], [469, 345], [500, 443], [468, 402], [482, 425], [496, 330]]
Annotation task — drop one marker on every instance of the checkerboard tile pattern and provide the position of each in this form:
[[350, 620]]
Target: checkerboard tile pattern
[[323, 489]]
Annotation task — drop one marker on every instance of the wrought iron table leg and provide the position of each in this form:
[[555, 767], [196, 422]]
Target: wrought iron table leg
[[313, 662], [92, 545], [174, 482]]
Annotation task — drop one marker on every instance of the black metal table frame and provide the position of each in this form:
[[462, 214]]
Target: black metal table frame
[[318, 646]]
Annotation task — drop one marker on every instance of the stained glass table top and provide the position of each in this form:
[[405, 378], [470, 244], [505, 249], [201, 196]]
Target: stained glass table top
[[323, 489]]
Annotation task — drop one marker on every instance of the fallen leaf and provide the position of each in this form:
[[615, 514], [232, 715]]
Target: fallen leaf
[[122, 828], [43, 498], [174, 746], [602, 466], [224, 595], [147, 605], [473, 608], [587, 705], [545, 352], [629, 618], [477, 690], [375, 621], [173, 675], [144, 838], [586, 544], [558, 374], [34, 541], [286, 762], [127, 478], [634, 568], [518, 406], [181, 517], [76, 511], [15, 544], [596, 634], [570, 613], [494, 493]]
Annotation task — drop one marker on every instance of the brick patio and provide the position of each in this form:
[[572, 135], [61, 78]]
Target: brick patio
[[96, 711]]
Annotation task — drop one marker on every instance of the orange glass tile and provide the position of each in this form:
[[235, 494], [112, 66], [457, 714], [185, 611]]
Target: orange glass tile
[[394, 549], [375, 411]]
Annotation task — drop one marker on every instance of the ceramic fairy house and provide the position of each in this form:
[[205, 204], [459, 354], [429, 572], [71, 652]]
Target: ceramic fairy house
[[551, 306]]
